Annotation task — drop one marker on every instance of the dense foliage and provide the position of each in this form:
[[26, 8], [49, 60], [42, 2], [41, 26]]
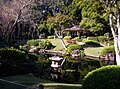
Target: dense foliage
[[106, 77], [106, 50], [93, 17], [72, 47], [12, 61], [67, 38], [12, 55], [43, 18], [92, 42], [102, 38], [92, 38], [42, 44], [18, 62]]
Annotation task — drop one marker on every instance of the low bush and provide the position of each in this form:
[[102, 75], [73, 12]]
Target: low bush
[[92, 42], [67, 38], [50, 37], [41, 44], [111, 43], [106, 50], [83, 37], [45, 44], [107, 77], [102, 38], [9, 54], [78, 39], [92, 38], [72, 47], [12, 61]]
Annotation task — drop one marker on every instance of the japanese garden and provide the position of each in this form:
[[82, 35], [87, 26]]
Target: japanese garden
[[59, 44]]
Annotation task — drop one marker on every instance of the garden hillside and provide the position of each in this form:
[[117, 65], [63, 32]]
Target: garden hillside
[[59, 41], [88, 50]]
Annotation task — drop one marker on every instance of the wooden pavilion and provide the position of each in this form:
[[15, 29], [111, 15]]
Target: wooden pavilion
[[75, 30]]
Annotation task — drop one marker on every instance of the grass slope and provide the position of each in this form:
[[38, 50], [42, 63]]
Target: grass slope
[[30, 80], [93, 50], [58, 44], [88, 50]]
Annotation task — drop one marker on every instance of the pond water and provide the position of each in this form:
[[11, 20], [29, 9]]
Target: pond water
[[71, 67]]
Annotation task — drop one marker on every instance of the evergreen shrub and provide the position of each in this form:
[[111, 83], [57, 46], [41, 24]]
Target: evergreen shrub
[[72, 47], [106, 77], [111, 43], [10, 54], [12, 61], [92, 42], [41, 44], [106, 50], [78, 39], [67, 38], [50, 37], [45, 44], [102, 38], [92, 38]]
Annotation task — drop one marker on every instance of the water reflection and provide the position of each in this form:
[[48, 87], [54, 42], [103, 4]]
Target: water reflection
[[71, 71]]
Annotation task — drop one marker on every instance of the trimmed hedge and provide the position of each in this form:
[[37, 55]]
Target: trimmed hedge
[[9, 54], [92, 42], [92, 38], [102, 38], [78, 39], [111, 43], [106, 50], [50, 37], [45, 44], [107, 77], [67, 38], [41, 44], [72, 47], [13, 61]]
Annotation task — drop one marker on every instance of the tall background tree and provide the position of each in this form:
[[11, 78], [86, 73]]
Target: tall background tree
[[13, 12], [113, 9], [19, 19], [93, 16]]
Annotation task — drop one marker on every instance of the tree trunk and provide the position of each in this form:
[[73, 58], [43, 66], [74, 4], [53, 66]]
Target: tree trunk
[[117, 42], [117, 51], [116, 38]]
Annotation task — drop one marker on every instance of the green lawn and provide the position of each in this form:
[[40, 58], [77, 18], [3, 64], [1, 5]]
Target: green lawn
[[93, 50], [4, 85], [58, 44], [88, 50], [30, 80]]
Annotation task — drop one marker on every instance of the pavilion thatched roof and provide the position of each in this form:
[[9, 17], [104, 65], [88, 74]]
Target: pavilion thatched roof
[[74, 28]]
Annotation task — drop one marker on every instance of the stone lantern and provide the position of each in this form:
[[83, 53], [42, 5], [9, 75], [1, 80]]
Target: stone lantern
[[56, 65]]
